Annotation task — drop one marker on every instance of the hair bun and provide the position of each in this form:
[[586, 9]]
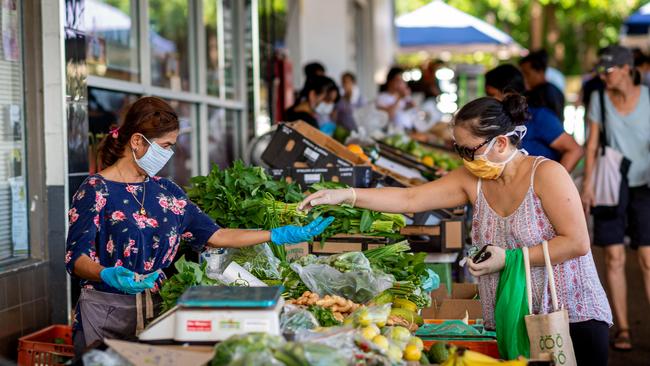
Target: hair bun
[[515, 106]]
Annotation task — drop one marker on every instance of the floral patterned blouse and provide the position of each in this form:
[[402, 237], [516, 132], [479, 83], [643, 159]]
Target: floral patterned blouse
[[106, 225]]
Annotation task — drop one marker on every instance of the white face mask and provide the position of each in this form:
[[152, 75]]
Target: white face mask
[[324, 108], [154, 159]]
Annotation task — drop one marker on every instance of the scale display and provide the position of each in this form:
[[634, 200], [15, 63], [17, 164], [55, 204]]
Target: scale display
[[231, 297]]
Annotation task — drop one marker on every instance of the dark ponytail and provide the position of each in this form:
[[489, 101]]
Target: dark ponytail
[[149, 116], [488, 117]]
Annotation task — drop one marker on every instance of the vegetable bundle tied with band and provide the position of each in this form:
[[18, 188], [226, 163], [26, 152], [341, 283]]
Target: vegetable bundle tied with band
[[248, 198]]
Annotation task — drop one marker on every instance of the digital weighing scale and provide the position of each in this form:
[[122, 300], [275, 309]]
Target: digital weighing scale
[[214, 313]]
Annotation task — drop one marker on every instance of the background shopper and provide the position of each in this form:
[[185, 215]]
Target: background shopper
[[627, 117]]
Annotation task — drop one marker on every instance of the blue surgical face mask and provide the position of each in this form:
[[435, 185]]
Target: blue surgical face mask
[[324, 108], [154, 159]]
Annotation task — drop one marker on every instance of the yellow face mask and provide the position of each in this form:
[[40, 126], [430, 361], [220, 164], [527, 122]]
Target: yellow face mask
[[483, 168]]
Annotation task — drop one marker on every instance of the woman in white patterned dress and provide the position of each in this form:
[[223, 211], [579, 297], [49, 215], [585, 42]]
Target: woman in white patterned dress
[[518, 201]]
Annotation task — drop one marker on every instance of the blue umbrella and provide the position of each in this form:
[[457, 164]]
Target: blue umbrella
[[438, 26], [638, 22]]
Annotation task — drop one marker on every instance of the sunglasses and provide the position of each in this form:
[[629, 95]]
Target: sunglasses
[[468, 153]]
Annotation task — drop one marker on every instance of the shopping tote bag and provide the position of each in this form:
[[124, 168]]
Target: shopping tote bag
[[548, 333]]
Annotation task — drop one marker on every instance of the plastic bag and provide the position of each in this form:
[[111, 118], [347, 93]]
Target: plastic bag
[[259, 261], [340, 338], [398, 335], [239, 346], [358, 286], [294, 318], [312, 354], [347, 262], [104, 358], [511, 308], [376, 314], [258, 358]]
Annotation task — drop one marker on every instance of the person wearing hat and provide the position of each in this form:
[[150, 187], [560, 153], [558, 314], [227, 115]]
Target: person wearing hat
[[627, 120]]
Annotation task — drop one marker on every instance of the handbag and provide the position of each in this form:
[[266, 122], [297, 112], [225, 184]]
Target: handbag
[[548, 333], [609, 175]]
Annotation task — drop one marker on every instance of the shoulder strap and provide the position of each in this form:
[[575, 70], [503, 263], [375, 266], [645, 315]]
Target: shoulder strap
[[538, 161], [603, 114]]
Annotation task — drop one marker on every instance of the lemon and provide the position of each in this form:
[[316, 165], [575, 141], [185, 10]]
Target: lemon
[[412, 353], [381, 342], [416, 341], [370, 332]]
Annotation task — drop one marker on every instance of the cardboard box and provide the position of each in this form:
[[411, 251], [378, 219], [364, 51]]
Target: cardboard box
[[140, 354], [359, 176], [447, 236], [343, 243], [461, 300], [298, 142], [297, 250]]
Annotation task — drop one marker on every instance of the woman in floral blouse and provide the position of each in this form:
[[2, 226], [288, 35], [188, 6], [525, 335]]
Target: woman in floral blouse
[[126, 224]]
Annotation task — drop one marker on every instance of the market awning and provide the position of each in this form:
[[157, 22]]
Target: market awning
[[441, 27], [638, 22]]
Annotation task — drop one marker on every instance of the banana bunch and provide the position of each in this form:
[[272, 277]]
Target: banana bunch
[[464, 357]]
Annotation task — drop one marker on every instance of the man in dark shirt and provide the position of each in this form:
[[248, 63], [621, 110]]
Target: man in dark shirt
[[540, 92]]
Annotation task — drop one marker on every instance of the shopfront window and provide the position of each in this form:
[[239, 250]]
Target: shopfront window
[[221, 136], [214, 74], [111, 39], [230, 48], [14, 236], [105, 110], [179, 168], [169, 43]]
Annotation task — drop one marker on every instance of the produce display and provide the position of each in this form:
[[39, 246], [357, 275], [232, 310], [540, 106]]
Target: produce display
[[339, 307], [434, 159], [353, 308]]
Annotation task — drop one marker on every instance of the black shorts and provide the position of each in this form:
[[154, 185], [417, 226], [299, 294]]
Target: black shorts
[[635, 222]]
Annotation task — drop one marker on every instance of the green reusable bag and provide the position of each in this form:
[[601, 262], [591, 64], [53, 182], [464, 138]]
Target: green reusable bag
[[511, 308]]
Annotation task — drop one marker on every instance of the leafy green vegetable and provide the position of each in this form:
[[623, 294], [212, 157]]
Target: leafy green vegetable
[[245, 198], [231, 348], [407, 268], [189, 274], [324, 316]]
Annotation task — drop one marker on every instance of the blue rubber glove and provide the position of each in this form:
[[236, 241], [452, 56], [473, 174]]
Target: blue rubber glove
[[430, 281], [123, 279], [291, 234]]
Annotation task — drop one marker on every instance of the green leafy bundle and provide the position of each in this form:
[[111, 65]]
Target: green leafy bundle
[[351, 220], [407, 268], [233, 197], [247, 198], [189, 274]]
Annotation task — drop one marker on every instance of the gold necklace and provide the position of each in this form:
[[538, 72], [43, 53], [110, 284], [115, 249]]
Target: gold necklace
[[142, 211]]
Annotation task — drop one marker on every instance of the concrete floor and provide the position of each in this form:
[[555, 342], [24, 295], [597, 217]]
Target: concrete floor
[[639, 313]]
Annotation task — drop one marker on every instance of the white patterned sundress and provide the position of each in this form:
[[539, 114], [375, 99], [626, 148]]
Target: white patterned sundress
[[578, 288]]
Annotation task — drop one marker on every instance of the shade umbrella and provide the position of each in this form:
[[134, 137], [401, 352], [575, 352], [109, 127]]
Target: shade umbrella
[[438, 27], [634, 32]]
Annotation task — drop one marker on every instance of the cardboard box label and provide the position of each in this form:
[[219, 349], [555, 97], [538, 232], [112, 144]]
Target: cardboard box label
[[199, 326]]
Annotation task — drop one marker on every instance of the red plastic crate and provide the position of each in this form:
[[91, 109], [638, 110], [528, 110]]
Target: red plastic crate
[[40, 348]]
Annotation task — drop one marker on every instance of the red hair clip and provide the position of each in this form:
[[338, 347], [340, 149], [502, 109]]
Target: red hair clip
[[114, 132]]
